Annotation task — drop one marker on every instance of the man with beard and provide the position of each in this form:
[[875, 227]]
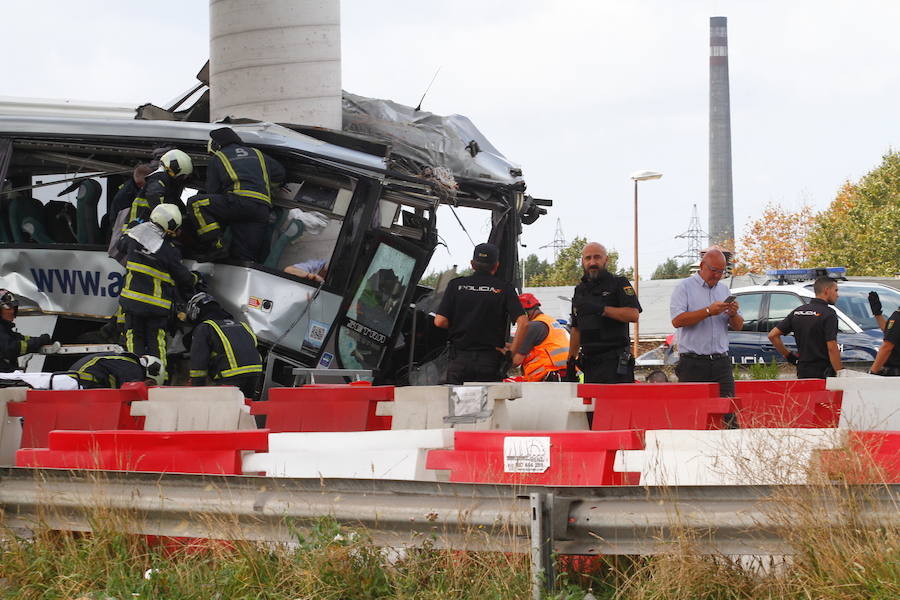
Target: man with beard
[[602, 307]]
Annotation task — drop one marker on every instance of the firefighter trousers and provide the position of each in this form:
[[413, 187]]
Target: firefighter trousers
[[146, 335], [247, 218]]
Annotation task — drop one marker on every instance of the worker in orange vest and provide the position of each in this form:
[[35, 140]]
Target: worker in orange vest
[[545, 347]]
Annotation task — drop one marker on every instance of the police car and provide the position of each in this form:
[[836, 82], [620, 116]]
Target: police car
[[764, 306]]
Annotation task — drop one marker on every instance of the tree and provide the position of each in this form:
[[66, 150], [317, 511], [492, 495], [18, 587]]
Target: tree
[[861, 228], [776, 240], [567, 269], [533, 269], [672, 269], [432, 278]]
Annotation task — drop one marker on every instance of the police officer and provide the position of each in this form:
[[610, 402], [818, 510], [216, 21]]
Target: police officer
[[545, 347], [222, 349], [239, 182], [887, 361], [163, 186], [477, 310], [111, 370], [155, 280], [12, 343], [815, 327], [602, 307]]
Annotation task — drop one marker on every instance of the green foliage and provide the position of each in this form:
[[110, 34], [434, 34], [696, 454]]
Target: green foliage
[[533, 269], [672, 269], [861, 228], [567, 270], [432, 278]]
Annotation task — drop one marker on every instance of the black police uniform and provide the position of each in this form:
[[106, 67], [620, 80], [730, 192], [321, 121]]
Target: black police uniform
[[605, 353], [480, 308], [159, 188], [239, 182], [13, 345], [154, 281], [225, 351], [814, 325], [892, 334], [108, 370]]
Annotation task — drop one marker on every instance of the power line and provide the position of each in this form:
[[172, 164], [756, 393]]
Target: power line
[[694, 236], [559, 241]]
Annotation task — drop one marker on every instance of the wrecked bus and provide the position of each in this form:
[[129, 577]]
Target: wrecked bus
[[379, 207]]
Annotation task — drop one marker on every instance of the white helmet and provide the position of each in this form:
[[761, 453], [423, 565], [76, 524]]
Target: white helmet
[[154, 368], [167, 216], [177, 163]]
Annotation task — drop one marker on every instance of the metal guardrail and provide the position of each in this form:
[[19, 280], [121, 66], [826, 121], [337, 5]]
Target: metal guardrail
[[567, 520]]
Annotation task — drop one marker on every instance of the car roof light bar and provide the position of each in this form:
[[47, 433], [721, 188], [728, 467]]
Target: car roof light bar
[[786, 276]]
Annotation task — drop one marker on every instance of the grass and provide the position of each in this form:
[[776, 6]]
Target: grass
[[757, 371]]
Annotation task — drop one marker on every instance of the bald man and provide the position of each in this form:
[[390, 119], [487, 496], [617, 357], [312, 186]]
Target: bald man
[[602, 307], [703, 318]]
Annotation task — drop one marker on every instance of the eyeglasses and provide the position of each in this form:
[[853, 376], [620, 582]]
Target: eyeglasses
[[714, 270]]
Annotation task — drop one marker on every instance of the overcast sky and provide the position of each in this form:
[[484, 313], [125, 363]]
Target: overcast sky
[[581, 94]]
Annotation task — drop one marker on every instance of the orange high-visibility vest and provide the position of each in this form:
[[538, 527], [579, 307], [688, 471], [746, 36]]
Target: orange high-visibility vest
[[549, 355]]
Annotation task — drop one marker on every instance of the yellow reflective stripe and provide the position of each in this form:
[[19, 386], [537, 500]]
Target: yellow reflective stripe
[[229, 351], [198, 214], [207, 228], [236, 183], [23, 345], [147, 270], [161, 344], [129, 340], [197, 373], [135, 204], [85, 376], [240, 371], [251, 194], [139, 297], [250, 331], [265, 173]]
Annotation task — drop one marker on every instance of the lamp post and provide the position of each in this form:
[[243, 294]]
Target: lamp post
[[638, 176]]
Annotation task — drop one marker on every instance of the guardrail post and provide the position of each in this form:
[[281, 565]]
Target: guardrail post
[[543, 573]]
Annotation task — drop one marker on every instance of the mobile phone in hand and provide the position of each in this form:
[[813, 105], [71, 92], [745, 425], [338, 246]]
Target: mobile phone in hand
[[730, 299]]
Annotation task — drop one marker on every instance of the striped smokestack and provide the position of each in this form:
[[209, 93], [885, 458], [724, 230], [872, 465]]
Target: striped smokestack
[[721, 200]]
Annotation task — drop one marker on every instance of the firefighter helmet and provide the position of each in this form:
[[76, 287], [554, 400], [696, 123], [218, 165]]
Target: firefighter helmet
[[167, 216], [154, 368], [177, 163], [196, 303], [9, 300]]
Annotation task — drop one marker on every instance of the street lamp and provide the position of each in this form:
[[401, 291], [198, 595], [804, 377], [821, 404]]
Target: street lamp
[[638, 176]]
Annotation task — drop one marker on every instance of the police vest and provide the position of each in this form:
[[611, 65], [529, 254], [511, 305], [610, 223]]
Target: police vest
[[246, 168], [237, 355], [147, 283], [549, 355]]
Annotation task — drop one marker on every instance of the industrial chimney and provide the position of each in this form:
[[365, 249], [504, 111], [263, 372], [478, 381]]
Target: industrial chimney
[[721, 198], [276, 60]]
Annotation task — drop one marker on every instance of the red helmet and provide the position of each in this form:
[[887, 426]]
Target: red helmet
[[528, 301]]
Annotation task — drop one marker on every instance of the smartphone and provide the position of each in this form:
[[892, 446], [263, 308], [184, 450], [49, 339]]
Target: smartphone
[[730, 299]]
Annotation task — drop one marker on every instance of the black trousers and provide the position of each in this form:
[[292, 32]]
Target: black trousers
[[248, 219], [604, 367], [246, 383], [473, 365], [699, 370], [146, 335], [817, 370]]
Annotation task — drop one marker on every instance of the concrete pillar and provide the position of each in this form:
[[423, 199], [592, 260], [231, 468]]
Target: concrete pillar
[[721, 199], [276, 60]]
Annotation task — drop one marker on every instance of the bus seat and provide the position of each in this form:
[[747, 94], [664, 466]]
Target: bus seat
[[59, 220], [21, 207], [35, 229], [292, 231], [87, 198]]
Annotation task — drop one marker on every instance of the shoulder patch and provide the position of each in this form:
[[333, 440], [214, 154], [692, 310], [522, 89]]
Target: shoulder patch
[[890, 324], [629, 291]]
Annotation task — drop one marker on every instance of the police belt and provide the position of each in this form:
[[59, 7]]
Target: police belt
[[717, 356]]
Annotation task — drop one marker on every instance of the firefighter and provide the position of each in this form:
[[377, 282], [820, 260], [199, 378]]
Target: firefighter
[[155, 280], [545, 348], [222, 349], [239, 182], [163, 186], [12, 343], [111, 370]]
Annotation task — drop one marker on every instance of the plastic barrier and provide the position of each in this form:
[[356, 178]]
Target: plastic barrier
[[548, 406], [357, 455], [10, 427], [870, 403], [656, 405], [868, 457], [441, 406], [325, 408], [45, 411], [212, 452], [537, 457], [786, 403], [194, 409], [728, 457]]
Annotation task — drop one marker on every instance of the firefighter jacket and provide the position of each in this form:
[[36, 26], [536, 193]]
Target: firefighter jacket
[[154, 277], [243, 171], [159, 188], [550, 355], [108, 370], [221, 349], [13, 345]]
